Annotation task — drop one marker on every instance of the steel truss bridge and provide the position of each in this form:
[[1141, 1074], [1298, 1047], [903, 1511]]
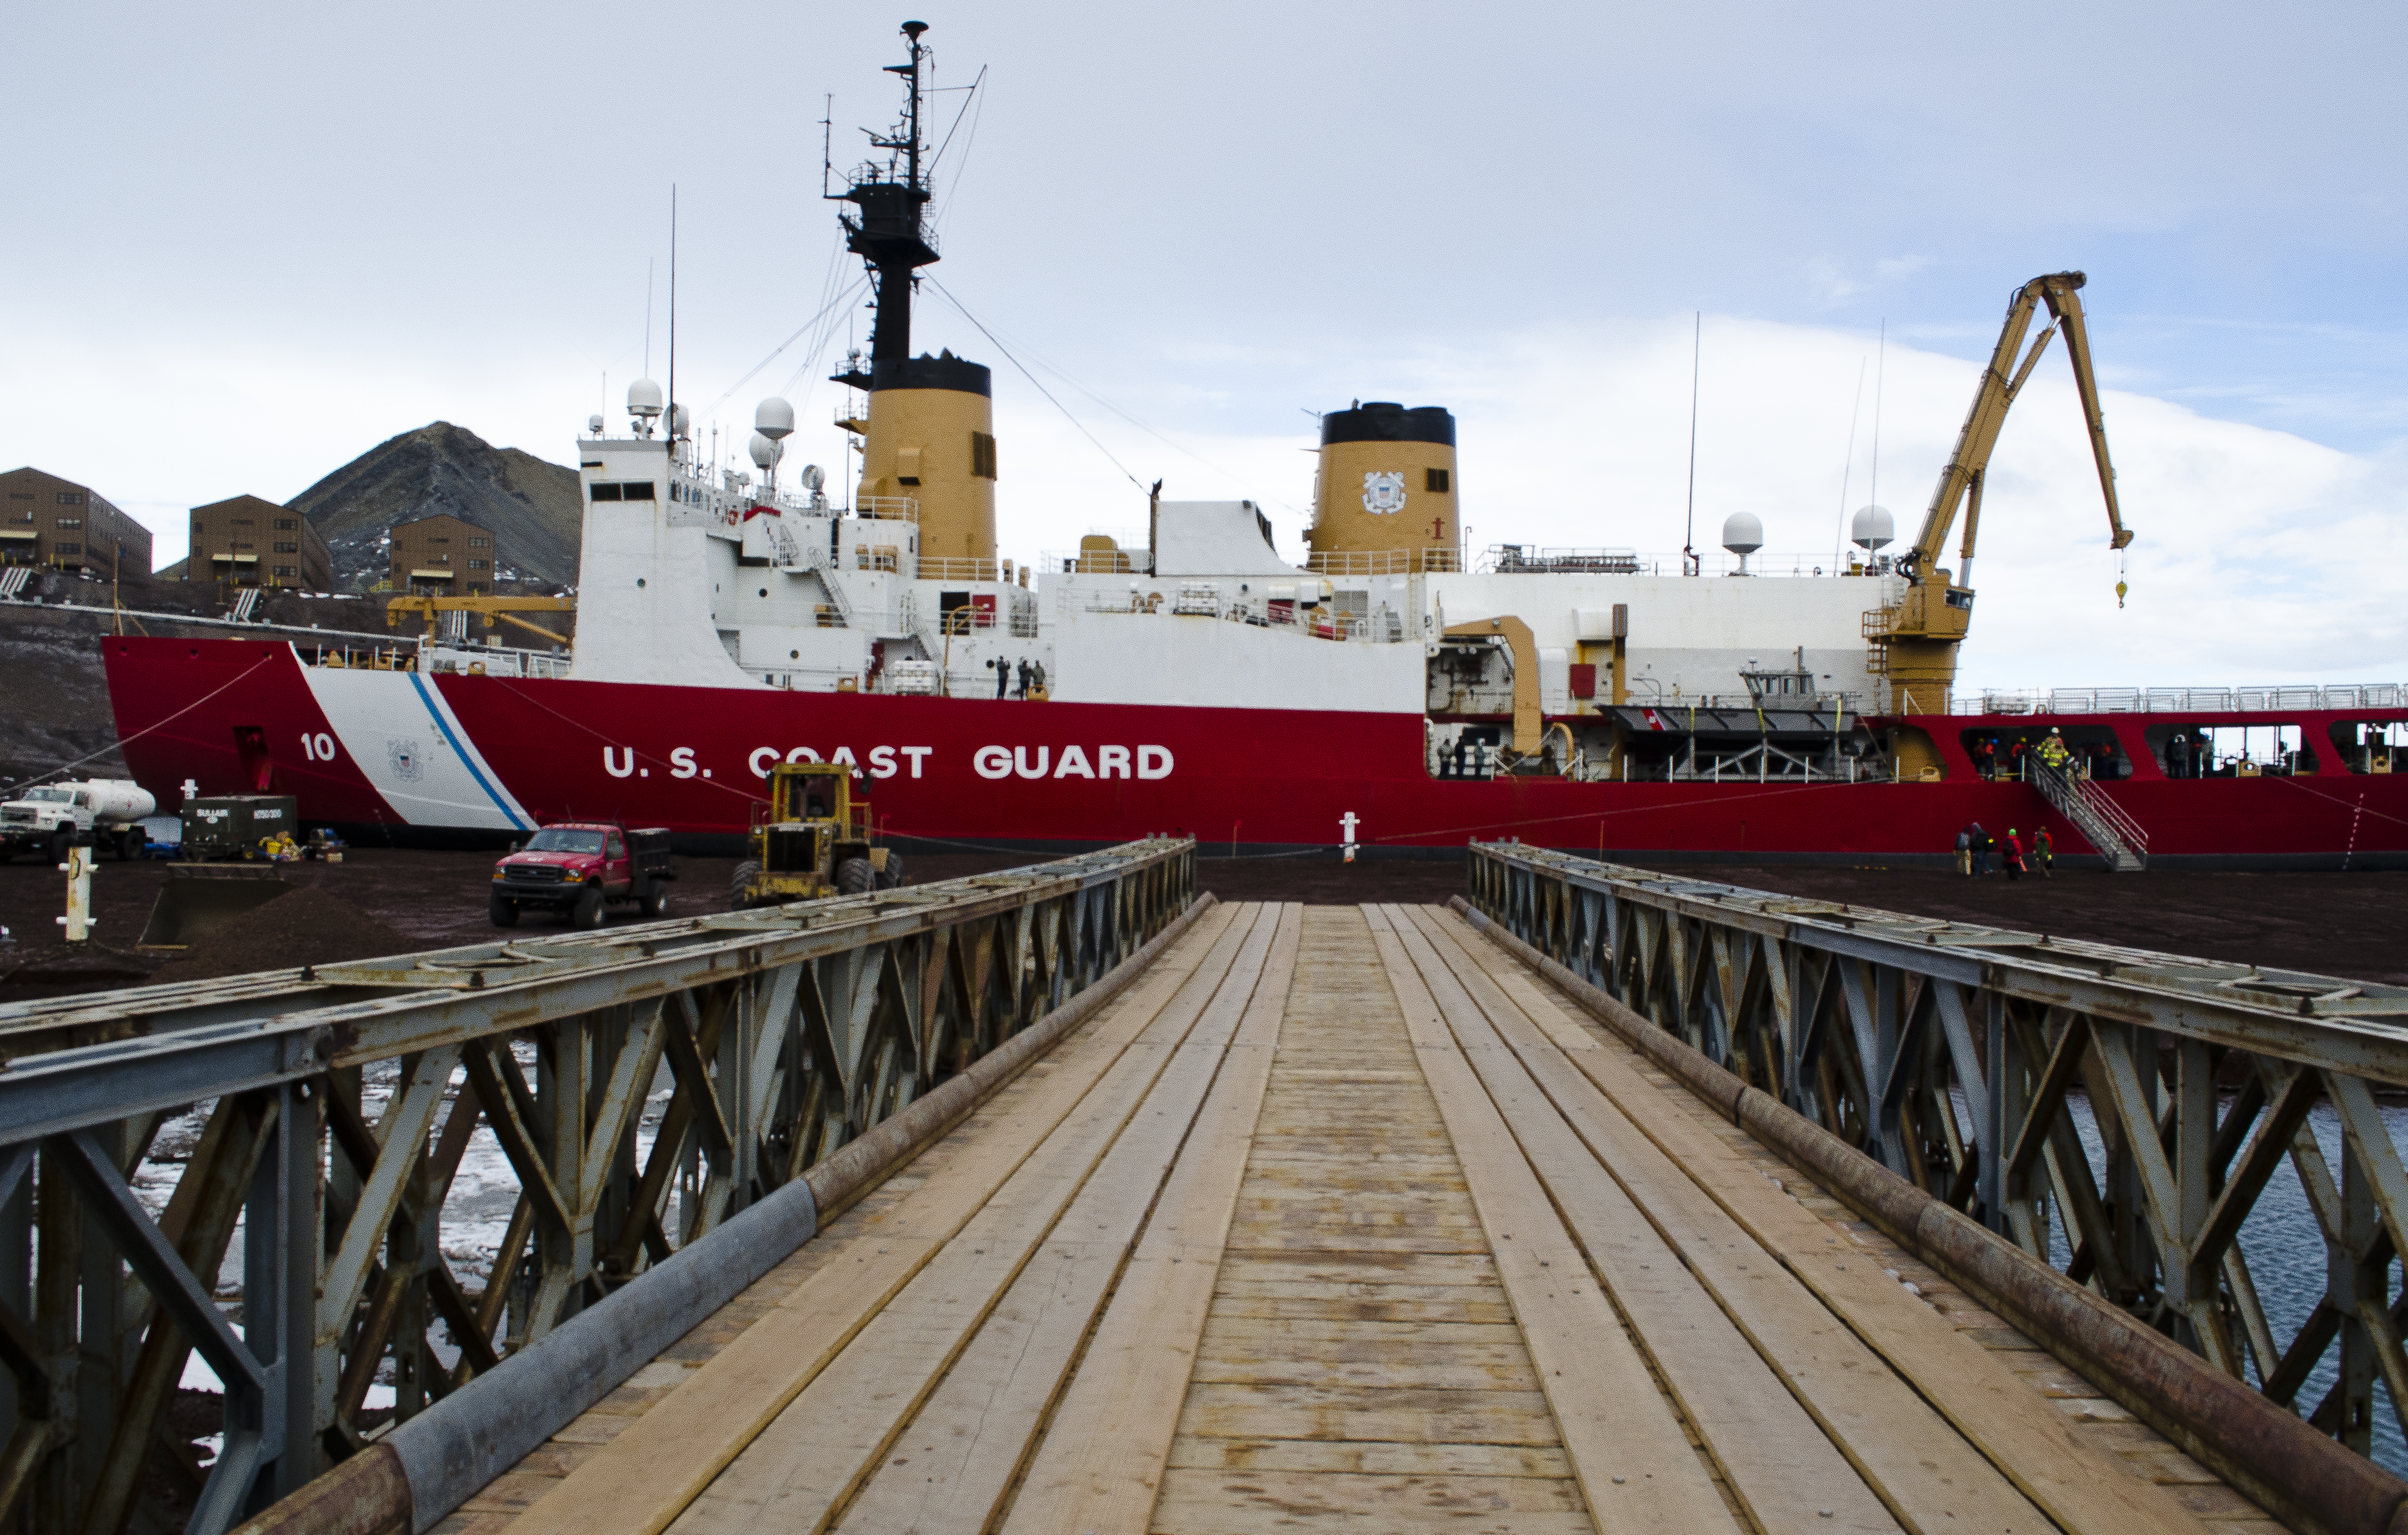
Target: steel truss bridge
[[1065, 1200], [2117, 1114], [340, 1103]]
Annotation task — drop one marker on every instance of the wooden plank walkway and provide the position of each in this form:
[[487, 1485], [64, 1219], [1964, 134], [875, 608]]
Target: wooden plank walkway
[[1341, 1219]]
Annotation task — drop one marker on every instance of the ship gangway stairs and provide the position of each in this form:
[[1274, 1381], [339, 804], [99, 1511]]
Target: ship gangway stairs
[[2119, 840], [1281, 1217]]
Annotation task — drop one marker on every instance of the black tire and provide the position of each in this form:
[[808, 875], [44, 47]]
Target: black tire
[[740, 887], [654, 902], [130, 844], [855, 876], [891, 877], [587, 913], [503, 910]]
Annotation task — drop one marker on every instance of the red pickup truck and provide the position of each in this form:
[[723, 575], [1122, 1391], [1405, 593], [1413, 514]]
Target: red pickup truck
[[576, 867]]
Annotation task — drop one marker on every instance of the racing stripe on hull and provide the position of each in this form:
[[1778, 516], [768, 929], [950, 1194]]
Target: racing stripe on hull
[[409, 745]]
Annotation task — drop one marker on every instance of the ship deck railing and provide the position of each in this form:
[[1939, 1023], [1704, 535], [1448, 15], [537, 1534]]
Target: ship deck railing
[[498, 661], [2264, 699], [1382, 625], [945, 569], [1420, 562], [1532, 560]]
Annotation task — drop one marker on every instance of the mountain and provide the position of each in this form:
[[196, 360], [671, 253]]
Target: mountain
[[533, 507]]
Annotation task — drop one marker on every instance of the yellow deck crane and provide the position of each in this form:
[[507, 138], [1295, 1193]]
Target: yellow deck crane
[[1915, 643], [494, 608]]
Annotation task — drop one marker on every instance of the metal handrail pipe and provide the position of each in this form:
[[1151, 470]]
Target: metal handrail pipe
[[2322, 1021], [416, 1476]]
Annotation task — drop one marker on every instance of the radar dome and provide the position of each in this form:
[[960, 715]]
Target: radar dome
[[644, 399], [774, 419], [767, 450], [680, 419], [1742, 532], [1872, 528], [814, 476], [594, 425]]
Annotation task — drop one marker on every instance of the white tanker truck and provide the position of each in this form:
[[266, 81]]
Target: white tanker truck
[[95, 813]]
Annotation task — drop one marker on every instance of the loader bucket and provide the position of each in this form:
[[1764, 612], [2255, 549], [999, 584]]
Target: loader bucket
[[198, 901]]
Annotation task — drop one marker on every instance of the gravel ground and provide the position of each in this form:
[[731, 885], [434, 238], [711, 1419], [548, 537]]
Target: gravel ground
[[383, 901]]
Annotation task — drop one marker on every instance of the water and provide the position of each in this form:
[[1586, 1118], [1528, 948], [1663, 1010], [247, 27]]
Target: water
[[2286, 1250]]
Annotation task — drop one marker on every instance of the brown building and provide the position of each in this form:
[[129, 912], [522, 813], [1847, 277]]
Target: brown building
[[46, 521], [443, 556], [250, 542]]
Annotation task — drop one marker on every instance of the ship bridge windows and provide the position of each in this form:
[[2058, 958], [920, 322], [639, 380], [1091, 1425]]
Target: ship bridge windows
[[2092, 751], [2189, 750], [628, 489], [2377, 746]]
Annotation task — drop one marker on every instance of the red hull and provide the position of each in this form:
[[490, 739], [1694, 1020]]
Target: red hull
[[689, 757]]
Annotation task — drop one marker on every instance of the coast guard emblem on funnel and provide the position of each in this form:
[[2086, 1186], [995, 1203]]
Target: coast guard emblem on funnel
[[1384, 492]]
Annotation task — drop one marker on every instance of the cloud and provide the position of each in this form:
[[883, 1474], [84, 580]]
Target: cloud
[[2259, 556]]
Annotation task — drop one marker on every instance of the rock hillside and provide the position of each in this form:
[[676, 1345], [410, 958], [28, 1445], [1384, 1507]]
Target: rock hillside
[[532, 507]]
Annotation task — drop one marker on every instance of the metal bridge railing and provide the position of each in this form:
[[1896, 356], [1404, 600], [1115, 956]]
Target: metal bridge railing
[[321, 1115], [2117, 1114]]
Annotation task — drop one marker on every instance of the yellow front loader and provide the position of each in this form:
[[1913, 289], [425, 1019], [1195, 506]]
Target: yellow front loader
[[812, 839]]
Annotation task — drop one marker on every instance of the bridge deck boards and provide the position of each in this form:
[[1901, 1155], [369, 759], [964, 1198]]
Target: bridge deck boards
[[1343, 1219]]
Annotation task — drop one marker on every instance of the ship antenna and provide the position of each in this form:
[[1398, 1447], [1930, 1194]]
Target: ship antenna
[[913, 31], [1881, 367], [889, 231], [1847, 467], [672, 401], [1689, 535], [827, 142]]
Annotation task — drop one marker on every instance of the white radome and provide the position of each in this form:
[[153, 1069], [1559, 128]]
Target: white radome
[[1742, 532], [774, 419], [644, 399], [1872, 528], [766, 451]]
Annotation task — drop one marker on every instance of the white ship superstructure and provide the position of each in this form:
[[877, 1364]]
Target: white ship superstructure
[[695, 579]]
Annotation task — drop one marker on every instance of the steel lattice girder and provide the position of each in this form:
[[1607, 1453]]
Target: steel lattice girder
[[1956, 1055], [782, 1034]]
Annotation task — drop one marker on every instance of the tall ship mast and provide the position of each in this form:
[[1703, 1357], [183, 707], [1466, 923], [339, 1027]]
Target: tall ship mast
[[1383, 687]]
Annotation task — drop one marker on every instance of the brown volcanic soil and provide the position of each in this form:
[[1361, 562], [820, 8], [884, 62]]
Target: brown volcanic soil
[[384, 901], [2350, 925]]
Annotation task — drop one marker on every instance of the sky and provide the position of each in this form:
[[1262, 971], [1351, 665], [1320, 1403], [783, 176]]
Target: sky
[[252, 243]]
